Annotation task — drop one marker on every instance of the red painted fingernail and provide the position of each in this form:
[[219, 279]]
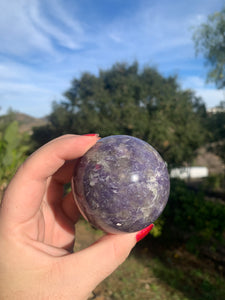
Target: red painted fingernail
[[91, 134], [141, 234]]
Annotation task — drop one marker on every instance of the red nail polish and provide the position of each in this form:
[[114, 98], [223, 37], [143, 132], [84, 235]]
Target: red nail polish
[[141, 234], [91, 134]]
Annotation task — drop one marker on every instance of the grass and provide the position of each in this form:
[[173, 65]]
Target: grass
[[134, 280], [153, 272], [193, 283], [144, 276]]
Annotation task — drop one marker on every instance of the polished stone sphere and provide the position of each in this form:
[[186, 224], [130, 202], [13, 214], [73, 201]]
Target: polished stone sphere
[[121, 184]]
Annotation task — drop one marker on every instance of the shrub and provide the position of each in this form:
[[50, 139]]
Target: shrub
[[13, 148], [192, 218], [214, 182]]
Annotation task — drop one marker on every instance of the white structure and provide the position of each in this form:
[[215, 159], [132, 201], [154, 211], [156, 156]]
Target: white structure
[[214, 110], [189, 172]]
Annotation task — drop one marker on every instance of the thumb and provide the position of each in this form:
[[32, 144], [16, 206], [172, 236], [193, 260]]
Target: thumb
[[99, 260], [105, 255], [93, 264]]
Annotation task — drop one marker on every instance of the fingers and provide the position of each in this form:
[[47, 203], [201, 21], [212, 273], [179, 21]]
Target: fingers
[[99, 260], [25, 192]]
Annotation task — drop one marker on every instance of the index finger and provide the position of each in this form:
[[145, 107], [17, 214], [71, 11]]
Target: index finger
[[24, 194]]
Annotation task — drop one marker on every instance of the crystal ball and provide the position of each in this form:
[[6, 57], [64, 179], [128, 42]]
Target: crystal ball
[[121, 184]]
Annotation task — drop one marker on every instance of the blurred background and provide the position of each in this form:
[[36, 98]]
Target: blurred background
[[150, 69]]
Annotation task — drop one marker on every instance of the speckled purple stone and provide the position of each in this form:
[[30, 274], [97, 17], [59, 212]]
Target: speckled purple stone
[[121, 184]]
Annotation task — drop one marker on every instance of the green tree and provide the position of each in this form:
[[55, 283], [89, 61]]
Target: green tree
[[209, 40], [126, 100]]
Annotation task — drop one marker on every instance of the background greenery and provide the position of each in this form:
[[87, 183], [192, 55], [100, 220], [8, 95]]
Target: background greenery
[[127, 100]]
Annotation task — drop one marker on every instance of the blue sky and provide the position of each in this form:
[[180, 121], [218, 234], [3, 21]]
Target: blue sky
[[47, 43]]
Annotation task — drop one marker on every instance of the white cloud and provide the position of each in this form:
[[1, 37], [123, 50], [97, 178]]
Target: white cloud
[[15, 87], [151, 31], [115, 36], [13, 71], [28, 90], [26, 29], [197, 19], [7, 73], [210, 95], [59, 11], [65, 38], [18, 36], [193, 82]]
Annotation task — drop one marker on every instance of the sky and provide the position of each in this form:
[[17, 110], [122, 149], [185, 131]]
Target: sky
[[45, 44]]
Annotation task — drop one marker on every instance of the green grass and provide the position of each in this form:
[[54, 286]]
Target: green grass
[[154, 272], [137, 280], [145, 277]]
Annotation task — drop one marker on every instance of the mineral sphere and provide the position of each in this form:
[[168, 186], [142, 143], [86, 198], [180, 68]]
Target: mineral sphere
[[121, 184]]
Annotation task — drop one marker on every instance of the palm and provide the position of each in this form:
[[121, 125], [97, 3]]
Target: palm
[[56, 229], [54, 221]]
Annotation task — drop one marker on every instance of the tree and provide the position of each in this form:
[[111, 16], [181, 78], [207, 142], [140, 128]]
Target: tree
[[126, 100], [209, 40]]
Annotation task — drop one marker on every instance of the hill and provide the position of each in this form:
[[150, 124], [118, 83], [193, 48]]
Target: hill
[[26, 122]]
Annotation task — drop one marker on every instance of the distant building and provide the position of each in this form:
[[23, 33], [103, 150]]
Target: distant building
[[189, 172], [216, 109]]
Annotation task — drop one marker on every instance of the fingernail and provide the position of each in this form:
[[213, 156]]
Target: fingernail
[[141, 234], [91, 134]]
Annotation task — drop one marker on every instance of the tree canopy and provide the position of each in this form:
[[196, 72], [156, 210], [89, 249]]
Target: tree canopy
[[126, 100], [209, 40]]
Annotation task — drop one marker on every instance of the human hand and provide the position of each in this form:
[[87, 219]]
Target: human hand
[[37, 230]]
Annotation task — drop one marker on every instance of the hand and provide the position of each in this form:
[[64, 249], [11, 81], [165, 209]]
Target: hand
[[37, 230]]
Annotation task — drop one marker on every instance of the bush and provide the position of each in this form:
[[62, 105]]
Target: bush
[[13, 148], [192, 218], [214, 182]]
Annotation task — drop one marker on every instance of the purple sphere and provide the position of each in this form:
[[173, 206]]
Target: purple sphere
[[121, 184]]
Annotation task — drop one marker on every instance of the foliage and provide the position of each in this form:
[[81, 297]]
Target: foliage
[[6, 119], [13, 148], [214, 182], [209, 40], [125, 100], [193, 218]]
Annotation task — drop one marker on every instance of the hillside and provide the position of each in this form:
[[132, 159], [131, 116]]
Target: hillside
[[26, 122], [210, 160]]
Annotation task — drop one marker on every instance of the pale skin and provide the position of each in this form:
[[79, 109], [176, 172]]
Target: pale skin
[[37, 230]]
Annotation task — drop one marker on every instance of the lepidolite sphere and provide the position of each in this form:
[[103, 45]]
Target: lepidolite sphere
[[121, 184]]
